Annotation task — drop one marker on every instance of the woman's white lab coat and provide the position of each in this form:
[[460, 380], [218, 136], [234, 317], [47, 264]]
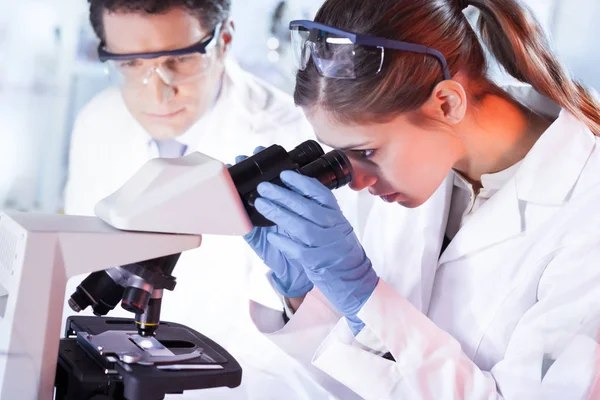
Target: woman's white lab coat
[[511, 308]]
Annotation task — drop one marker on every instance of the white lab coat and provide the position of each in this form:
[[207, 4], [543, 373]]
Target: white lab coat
[[515, 296], [211, 296]]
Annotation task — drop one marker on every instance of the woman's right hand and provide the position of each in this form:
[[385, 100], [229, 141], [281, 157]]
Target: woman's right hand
[[288, 277]]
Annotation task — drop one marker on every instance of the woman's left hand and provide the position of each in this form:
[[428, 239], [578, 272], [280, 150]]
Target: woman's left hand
[[321, 239]]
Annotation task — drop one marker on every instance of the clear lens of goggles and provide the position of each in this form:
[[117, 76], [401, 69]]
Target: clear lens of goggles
[[174, 70], [335, 56]]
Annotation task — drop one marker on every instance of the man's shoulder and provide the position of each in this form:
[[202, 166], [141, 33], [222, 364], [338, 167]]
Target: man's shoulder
[[106, 106], [259, 98]]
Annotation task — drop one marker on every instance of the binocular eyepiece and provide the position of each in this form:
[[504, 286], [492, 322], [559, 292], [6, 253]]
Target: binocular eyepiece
[[333, 170]]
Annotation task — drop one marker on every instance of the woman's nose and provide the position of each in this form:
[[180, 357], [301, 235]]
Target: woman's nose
[[362, 180]]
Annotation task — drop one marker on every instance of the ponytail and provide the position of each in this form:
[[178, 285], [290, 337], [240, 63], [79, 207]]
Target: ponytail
[[519, 44]]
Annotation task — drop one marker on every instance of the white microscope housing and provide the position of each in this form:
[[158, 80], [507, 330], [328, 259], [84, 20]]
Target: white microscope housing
[[162, 210]]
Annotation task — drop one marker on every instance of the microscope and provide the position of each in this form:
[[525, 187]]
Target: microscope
[[130, 249]]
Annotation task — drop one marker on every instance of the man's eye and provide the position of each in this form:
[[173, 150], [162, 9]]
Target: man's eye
[[129, 64]]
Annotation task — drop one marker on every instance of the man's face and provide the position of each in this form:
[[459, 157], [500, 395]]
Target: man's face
[[165, 111]]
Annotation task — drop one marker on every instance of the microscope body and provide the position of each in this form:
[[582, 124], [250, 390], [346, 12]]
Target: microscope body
[[39, 255], [130, 249], [161, 211]]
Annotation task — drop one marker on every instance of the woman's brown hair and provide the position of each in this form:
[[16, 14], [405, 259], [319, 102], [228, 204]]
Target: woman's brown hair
[[508, 29]]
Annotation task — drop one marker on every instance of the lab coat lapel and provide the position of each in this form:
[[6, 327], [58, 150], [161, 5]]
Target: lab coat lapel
[[498, 220], [548, 176], [543, 184]]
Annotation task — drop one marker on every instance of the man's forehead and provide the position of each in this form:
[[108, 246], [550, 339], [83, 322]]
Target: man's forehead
[[133, 32]]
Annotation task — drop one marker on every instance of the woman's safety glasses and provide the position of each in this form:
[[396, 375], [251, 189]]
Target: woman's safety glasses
[[339, 54], [174, 67]]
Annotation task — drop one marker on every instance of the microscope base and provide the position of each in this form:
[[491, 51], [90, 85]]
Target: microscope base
[[85, 372]]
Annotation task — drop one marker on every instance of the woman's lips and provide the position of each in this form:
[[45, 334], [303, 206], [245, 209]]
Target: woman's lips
[[391, 198]]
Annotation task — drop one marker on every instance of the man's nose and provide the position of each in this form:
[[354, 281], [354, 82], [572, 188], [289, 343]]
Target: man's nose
[[361, 179], [159, 88]]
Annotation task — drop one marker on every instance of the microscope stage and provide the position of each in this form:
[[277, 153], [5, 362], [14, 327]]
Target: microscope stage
[[107, 356]]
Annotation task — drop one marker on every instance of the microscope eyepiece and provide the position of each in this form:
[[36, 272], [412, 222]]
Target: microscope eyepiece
[[333, 170], [306, 152], [267, 164]]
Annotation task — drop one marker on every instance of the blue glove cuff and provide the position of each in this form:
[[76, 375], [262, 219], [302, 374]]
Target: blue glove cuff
[[291, 292], [355, 324], [362, 289]]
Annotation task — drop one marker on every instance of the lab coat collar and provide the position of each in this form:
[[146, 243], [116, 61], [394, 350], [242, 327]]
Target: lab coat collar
[[498, 219], [546, 177], [551, 168]]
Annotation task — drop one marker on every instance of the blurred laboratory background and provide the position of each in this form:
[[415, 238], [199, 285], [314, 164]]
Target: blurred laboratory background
[[49, 70]]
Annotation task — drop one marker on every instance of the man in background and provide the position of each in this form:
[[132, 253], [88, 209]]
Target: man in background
[[179, 92]]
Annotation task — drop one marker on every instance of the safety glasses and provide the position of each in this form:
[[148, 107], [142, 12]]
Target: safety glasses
[[339, 54], [174, 67]]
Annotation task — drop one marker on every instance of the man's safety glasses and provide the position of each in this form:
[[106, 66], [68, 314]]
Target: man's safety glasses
[[174, 67], [337, 53]]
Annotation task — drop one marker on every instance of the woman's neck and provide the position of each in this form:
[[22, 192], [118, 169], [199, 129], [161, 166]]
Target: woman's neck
[[497, 134]]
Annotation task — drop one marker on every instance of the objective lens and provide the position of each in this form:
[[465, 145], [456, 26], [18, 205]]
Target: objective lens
[[135, 300], [98, 290], [147, 323]]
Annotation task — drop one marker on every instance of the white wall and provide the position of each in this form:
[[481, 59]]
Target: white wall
[[576, 33], [29, 92], [255, 46]]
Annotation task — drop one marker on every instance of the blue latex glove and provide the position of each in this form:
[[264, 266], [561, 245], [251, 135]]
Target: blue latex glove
[[321, 239], [287, 276]]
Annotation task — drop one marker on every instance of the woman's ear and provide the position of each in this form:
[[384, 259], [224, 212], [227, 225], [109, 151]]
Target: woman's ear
[[447, 103]]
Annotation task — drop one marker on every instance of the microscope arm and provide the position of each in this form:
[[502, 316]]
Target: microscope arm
[[45, 252]]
